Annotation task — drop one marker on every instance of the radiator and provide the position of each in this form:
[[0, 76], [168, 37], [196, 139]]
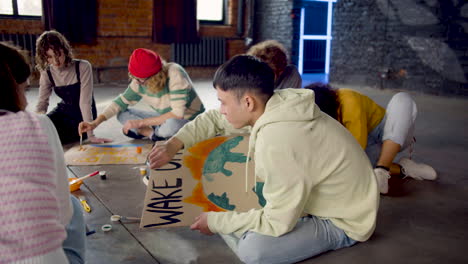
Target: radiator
[[209, 51], [25, 41]]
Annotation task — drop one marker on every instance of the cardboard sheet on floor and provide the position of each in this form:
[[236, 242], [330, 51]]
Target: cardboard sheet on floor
[[210, 176], [97, 154]]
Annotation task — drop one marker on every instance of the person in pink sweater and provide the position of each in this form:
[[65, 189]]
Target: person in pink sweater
[[38, 223]]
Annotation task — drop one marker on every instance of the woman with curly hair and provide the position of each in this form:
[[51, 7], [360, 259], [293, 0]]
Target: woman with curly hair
[[165, 87], [381, 132], [275, 55], [71, 80]]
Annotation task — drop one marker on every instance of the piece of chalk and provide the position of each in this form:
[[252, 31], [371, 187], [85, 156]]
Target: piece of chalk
[[102, 174], [115, 218], [106, 228], [142, 171], [138, 150]]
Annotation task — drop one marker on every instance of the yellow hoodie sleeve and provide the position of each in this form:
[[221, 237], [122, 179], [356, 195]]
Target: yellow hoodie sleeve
[[353, 116], [356, 123], [359, 114], [286, 189]]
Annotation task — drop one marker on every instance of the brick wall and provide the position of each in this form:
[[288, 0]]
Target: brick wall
[[273, 21], [126, 25], [410, 45], [33, 26]]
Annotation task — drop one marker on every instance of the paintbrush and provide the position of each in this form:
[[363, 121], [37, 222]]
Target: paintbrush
[[81, 141], [76, 180], [115, 218]]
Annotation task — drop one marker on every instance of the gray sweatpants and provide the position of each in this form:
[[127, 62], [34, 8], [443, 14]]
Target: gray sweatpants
[[397, 126]]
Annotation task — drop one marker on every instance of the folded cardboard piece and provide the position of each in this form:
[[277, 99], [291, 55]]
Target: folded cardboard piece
[[209, 176]]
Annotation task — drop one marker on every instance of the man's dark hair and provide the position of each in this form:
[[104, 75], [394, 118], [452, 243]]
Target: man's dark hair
[[326, 98], [244, 73]]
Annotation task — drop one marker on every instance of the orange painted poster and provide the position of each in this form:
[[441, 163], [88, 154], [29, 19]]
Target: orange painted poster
[[98, 154], [210, 176]]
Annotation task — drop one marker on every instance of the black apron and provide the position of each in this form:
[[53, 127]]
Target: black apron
[[66, 116]]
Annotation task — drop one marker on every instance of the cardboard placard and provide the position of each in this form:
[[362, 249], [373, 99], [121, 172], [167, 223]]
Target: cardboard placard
[[210, 176], [98, 154]]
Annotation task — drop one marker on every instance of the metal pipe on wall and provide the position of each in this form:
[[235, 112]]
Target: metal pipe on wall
[[240, 18]]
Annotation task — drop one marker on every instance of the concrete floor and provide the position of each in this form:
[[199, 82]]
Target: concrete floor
[[418, 222]]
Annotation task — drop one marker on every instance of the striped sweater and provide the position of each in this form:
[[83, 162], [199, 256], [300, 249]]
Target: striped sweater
[[178, 96], [34, 196]]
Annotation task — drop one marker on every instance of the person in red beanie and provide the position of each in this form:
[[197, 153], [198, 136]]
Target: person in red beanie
[[165, 87]]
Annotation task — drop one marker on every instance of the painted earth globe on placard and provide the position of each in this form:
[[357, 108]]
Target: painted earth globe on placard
[[220, 164]]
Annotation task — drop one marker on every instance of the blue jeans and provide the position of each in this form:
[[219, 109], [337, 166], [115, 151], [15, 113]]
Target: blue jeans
[[75, 244], [310, 237], [397, 125], [165, 130]]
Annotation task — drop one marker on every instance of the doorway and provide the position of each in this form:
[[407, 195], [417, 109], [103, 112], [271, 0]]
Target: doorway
[[313, 39]]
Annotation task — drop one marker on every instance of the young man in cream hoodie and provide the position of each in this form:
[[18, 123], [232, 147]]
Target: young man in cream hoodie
[[320, 189]]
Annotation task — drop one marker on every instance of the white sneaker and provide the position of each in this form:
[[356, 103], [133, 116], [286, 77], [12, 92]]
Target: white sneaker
[[418, 171], [382, 177]]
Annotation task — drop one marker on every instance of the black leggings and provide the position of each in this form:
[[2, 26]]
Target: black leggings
[[66, 122]]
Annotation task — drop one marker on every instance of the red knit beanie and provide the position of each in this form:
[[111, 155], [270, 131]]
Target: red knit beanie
[[144, 63]]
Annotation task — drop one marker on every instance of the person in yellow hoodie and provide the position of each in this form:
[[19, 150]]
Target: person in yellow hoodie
[[383, 133], [319, 186]]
